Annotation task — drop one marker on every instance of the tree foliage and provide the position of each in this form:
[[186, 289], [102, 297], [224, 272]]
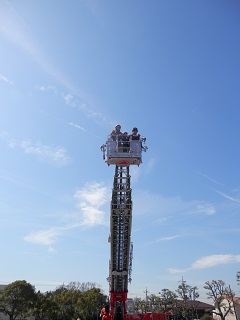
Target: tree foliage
[[186, 307], [44, 307], [222, 297], [167, 299], [90, 303], [66, 302], [71, 301], [139, 305], [17, 299], [76, 285]]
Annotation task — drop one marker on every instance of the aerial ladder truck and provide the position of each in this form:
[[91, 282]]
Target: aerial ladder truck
[[122, 154]]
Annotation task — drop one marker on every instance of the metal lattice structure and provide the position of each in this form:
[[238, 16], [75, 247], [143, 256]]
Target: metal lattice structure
[[120, 265], [121, 222]]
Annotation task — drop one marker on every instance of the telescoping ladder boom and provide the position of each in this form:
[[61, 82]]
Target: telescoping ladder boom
[[120, 263], [120, 226]]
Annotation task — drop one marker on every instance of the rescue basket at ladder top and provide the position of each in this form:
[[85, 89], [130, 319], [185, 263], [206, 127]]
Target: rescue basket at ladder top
[[120, 152]]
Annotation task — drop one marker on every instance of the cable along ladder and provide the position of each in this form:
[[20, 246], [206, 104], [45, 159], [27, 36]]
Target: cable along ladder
[[121, 249]]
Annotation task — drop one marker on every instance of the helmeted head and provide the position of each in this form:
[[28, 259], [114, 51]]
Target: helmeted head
[[117, 127], [135, 129]]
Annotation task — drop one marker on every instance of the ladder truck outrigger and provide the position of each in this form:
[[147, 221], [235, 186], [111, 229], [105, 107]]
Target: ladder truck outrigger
[[122, 155]]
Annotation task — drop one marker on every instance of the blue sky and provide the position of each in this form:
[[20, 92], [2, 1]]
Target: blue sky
[[71, 70]]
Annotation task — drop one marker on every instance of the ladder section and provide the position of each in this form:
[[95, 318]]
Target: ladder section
[[120, 226]]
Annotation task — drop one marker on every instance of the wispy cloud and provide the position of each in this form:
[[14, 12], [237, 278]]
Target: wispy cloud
[[69, 100], [76, 126], [209, 262], [90, 199], [4, 135], [57, 155], [5, 79], [75, 102], [214, 260], [47, 88], [206, 208], [209, 178], [175, 270], [169, 238], [15, 29], [152, 202], [226, 196], [46, 237]]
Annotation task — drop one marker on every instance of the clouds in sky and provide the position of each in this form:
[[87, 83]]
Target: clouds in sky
[[45, 237], [76, 126], [57, 155], [47, 88], [213, 260], [75, 101], [168, 206], [54, 154], [69, 100], [206, 208], [226, 196], [15, 30], [89, 200], [5, 79], [168, 238], [210, 178], [209, 261]]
